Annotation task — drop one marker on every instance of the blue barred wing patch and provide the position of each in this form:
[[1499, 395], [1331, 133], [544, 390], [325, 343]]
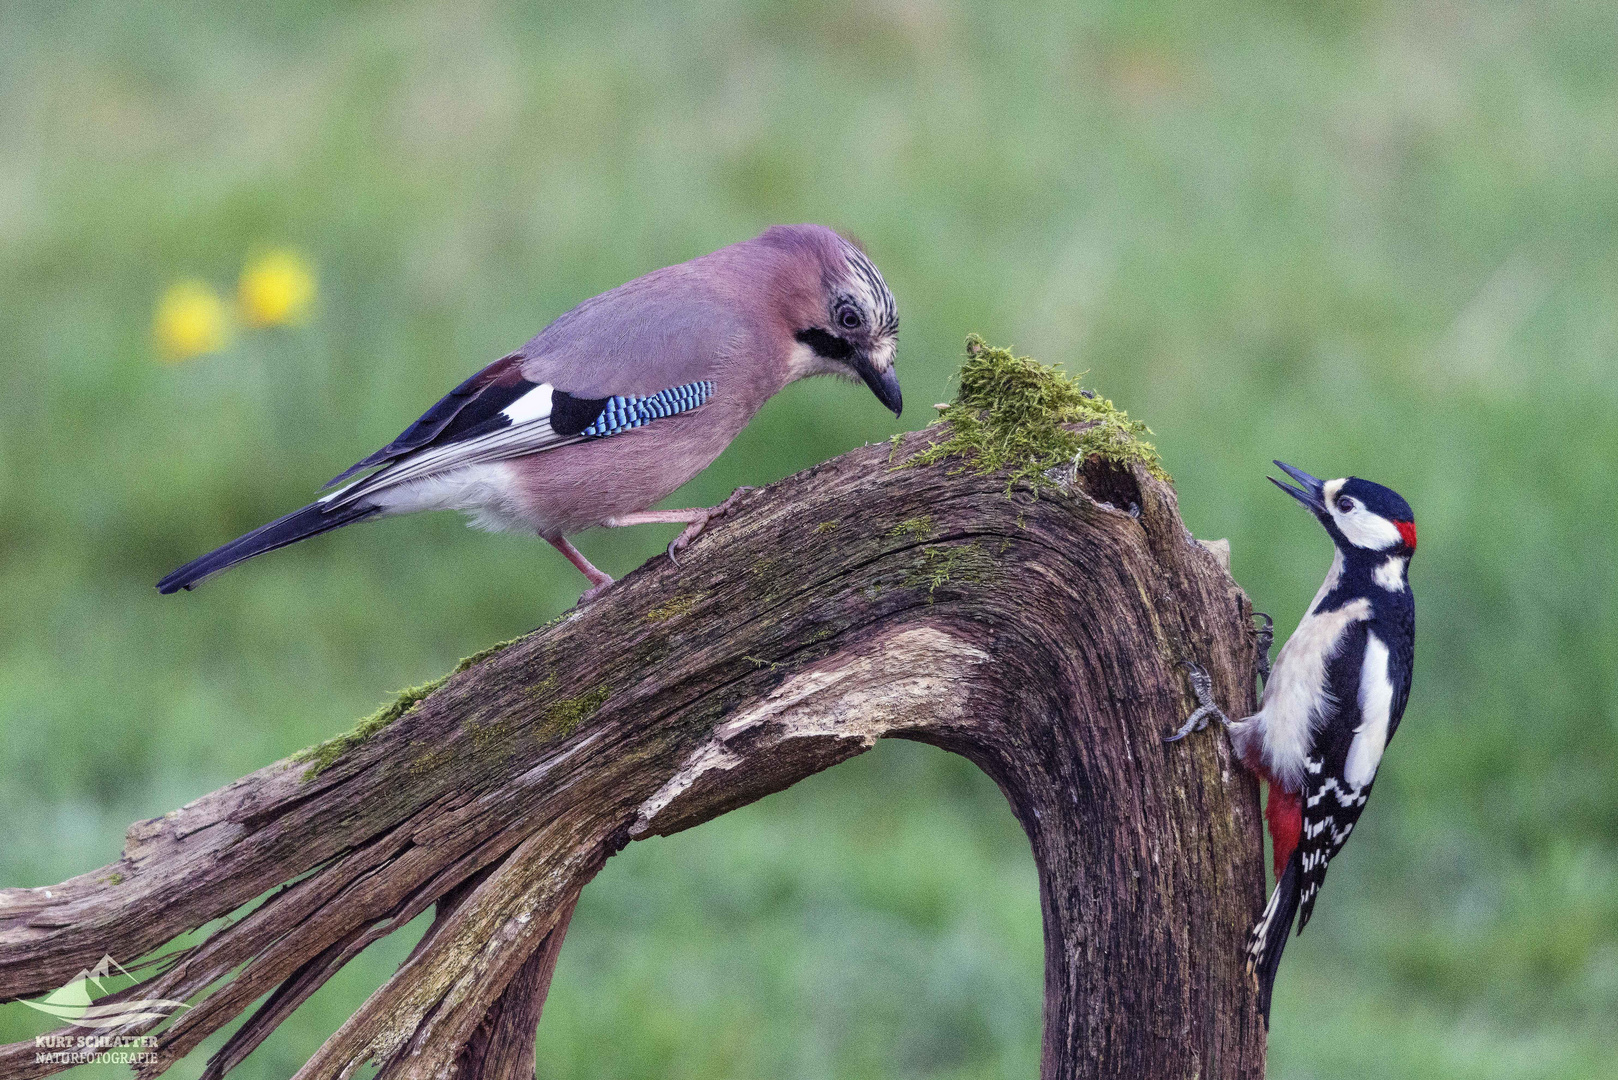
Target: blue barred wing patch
[[624, 411]]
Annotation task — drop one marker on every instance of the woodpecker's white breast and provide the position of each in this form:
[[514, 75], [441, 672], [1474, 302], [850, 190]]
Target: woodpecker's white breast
[[1296, 698]]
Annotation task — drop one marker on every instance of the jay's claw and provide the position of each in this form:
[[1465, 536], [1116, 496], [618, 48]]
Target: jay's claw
[[1202, 687], [725, 507], [690, 533], [693, 530]]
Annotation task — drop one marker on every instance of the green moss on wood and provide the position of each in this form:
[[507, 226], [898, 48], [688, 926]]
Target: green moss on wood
[[431, 759], [543, 687], [1026, 418], [827, 527], [492, 739], [321, 757], [963, 564], [919, 528], [680, 605], [565, 716]]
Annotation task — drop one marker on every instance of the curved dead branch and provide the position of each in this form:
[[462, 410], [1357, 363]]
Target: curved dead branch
[[1038, 637]]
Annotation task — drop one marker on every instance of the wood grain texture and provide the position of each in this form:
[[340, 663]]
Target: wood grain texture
[[855, 601]]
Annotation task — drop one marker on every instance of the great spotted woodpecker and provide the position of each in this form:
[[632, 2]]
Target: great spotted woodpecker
[[1332, 702]]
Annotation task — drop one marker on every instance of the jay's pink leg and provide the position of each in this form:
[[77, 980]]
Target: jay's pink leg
[[697, 518], [598, 579]]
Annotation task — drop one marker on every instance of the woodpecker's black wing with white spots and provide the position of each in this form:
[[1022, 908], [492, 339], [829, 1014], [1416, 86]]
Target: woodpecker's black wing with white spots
[[1368, 684]]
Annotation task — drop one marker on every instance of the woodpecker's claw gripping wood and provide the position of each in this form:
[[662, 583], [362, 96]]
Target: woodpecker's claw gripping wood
[[1036, 637], [1264, 640], [1207, 708]]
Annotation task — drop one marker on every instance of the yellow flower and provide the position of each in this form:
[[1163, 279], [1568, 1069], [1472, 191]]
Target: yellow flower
[[190, 320], [276, 289]]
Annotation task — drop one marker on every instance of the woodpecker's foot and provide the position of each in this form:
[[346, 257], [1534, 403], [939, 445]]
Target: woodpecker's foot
[[1265, 638], [1202, 687], [711, 514]]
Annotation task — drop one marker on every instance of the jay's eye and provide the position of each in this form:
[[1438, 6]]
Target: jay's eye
[[1345, 504], [849, 318]]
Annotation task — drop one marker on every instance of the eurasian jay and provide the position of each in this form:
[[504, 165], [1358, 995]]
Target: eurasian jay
[[620, 401]]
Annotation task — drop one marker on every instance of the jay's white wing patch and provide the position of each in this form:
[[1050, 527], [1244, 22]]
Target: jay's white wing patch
[[534, 405]]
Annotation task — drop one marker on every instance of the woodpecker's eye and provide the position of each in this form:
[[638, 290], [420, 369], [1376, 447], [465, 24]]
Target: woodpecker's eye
[[1345, 504], [848, 317]]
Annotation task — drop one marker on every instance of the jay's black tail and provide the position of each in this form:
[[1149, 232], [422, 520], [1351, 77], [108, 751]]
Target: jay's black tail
[[298, 525], [1269, 937]]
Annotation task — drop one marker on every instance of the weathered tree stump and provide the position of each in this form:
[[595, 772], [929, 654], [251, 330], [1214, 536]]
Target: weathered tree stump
[[1038, 637]]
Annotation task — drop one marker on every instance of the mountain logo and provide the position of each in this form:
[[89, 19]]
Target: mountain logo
[[72, 1003]]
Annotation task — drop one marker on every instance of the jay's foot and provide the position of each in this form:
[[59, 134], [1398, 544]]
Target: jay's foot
[[693, 530], [599, 579], [1202, 687], [695, 520], [1264, 638], [594, 591]]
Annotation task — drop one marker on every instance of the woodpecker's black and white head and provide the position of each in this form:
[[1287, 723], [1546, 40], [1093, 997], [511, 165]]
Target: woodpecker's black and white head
[[1368, 522]]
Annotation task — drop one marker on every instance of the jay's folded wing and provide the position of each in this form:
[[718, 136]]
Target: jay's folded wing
[[497, 415]]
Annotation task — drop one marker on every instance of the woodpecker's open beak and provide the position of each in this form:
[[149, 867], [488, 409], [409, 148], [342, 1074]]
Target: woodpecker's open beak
[[883, 381], [1309, 490]]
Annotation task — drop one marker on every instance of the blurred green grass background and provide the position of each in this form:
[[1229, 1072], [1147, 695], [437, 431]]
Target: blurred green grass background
[[1364, 237]]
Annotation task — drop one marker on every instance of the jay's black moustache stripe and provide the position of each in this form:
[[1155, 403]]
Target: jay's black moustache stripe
[[824, 344]]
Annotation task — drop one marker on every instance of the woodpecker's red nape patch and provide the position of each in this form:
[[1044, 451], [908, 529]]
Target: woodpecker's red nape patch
[[1284, 811], [1407, 529]]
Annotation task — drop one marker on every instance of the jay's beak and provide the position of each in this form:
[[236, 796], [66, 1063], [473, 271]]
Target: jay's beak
[[884, 382], [1309, 490]]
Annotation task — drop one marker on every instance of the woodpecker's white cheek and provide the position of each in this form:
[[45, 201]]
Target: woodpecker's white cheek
[[1391, 574], [1376, 713], [1365, 529]]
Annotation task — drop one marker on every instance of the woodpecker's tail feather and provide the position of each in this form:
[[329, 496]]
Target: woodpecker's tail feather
[[1269, 936], [298, 525]]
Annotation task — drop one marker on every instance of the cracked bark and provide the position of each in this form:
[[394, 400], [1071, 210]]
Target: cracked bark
[[852, 602]]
